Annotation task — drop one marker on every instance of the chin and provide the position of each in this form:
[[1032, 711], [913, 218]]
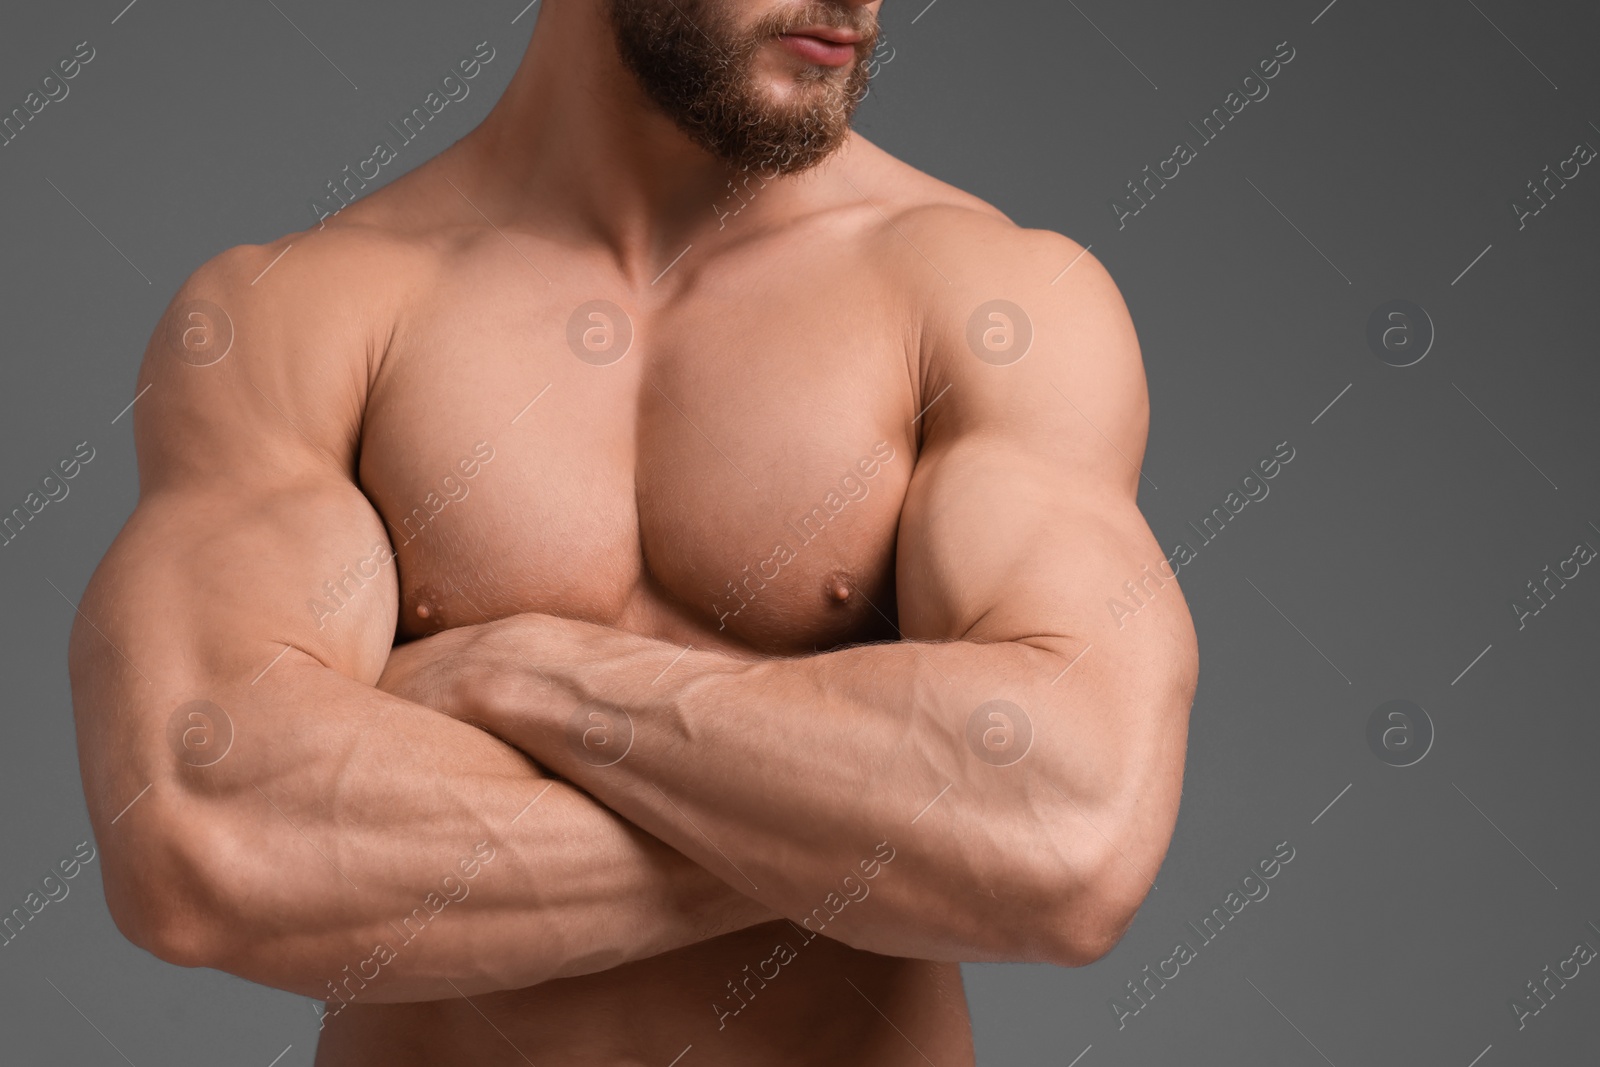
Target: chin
[[798, 93]]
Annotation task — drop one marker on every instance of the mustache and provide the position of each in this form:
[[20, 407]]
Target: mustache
[[854, 19]]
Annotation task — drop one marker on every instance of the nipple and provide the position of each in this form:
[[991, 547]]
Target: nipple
[[429, 617], [838, 589]]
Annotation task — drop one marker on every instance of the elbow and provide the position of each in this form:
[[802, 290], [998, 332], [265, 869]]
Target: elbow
[[1086, 912], [181, 939], [166, 896], [1081, 934], [1079, 942], [1065, 900]]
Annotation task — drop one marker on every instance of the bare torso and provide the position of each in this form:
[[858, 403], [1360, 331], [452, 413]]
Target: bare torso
[[719, 483]]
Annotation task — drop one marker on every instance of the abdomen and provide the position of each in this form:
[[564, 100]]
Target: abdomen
[[771, 995]]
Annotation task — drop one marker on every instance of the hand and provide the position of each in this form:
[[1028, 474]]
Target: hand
[[479, 674], [475, 675], [431, 671]]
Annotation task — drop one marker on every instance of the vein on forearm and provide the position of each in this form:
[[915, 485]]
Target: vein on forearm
[[788, 769]]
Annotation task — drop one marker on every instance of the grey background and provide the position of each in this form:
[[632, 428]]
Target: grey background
[[1415, 510]]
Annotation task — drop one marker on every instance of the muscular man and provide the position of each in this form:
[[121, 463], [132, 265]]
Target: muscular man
[[636, 587]]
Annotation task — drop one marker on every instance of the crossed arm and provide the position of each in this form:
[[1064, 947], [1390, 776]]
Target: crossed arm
[[751, 788], [314, 817], [1020, 751]]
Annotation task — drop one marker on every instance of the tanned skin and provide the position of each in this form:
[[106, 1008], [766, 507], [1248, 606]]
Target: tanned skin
[[608, 775]]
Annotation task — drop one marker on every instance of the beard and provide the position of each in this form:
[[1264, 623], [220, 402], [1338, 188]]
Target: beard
[[698, 67]]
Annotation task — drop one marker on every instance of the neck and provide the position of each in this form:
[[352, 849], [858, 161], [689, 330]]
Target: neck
[[576, 148]]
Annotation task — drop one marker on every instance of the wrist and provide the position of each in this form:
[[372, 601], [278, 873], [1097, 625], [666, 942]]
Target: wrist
[[495, 682]]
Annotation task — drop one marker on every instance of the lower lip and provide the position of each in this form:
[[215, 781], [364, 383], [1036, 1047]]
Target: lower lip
[[815, 50]]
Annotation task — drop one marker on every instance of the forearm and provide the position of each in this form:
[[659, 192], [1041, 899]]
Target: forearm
[[783, 775], [369, 849]]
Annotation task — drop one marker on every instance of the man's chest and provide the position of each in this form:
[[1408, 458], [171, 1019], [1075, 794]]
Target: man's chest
[[723, 472]]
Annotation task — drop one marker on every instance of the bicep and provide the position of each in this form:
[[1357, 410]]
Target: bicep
[[997, 544], [1021, 519], [208, 605]]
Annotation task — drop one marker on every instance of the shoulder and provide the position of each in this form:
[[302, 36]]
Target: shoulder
[[279, 342], [334, 278], [955, 246], [1020, 326]]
